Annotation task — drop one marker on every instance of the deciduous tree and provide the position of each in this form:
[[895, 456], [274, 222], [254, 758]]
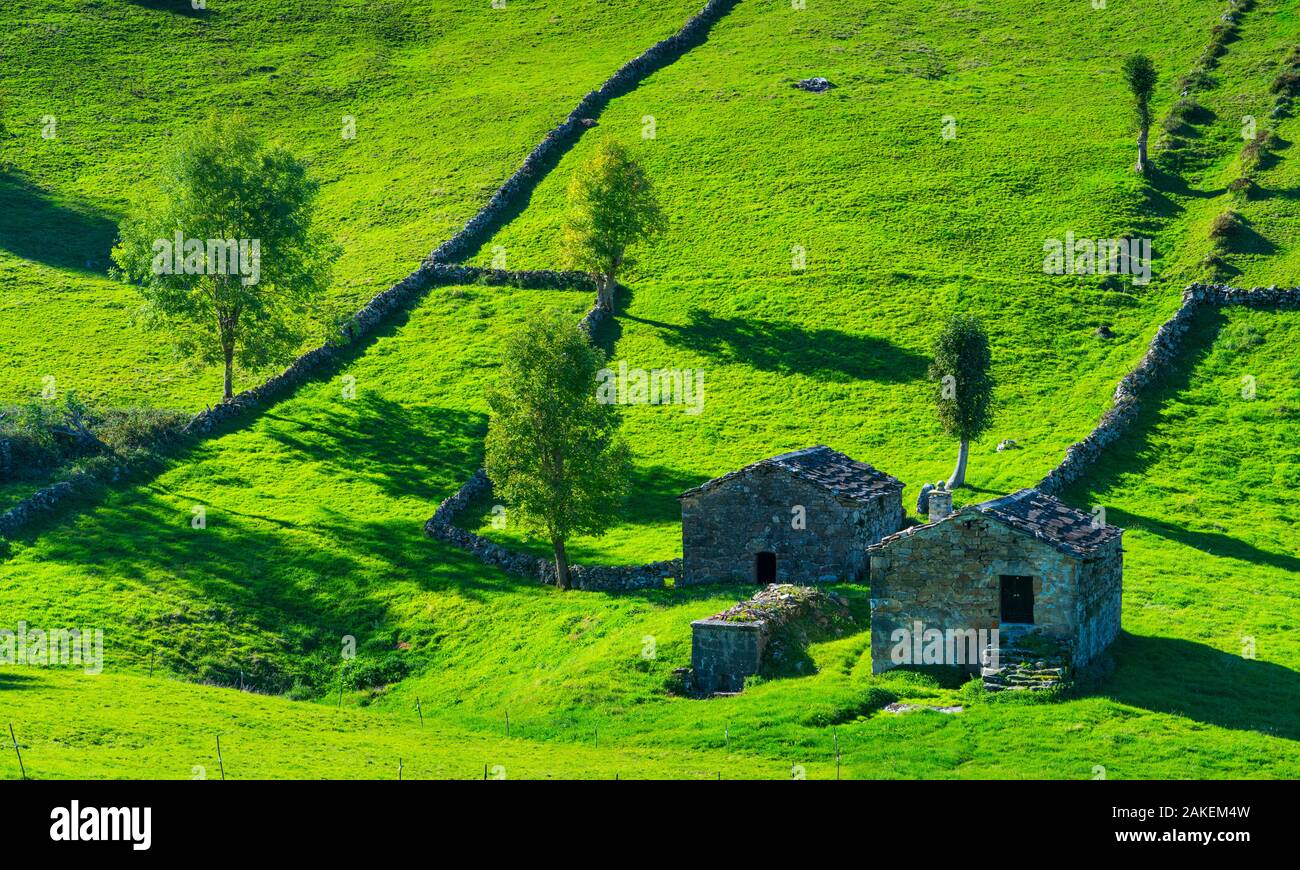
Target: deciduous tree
[[612, 207], [226, 255], [963, 386], [1140, 74], [553, 451]]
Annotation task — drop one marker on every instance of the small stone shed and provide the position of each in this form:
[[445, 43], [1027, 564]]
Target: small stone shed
[[801, 517], [1023, 563]]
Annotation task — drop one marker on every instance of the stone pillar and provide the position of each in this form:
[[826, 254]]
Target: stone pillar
[[940, 504]]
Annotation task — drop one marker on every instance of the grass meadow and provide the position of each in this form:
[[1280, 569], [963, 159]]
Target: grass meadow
[[314, 511]]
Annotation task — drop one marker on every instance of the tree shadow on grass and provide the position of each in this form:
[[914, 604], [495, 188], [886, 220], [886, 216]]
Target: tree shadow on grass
[[405, 451], [1183, 678], [1213, 543], [259, 594], [788, 348], [61, 233], [192, 449]]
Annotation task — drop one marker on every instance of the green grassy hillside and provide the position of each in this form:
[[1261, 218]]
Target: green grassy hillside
[[447, 98], [314, 512]]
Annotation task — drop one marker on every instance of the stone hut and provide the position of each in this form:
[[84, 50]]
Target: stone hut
[[1025, 564], [801, 517]]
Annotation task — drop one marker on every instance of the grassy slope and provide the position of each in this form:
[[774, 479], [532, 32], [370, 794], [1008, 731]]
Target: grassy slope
[[448, 97], [313, 533], [901, 227]]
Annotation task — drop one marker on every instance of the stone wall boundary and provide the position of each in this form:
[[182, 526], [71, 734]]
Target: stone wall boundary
[[438, 269], [604, 578], [1163, 351]]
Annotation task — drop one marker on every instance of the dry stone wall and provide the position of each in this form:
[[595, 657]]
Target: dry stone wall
[[1161, 354], [542, 158], [610, 578], [437, 269]]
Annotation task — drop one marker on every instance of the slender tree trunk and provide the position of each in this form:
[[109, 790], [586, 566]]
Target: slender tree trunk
[[561, 564], [228, 329], [605, 292], [1141, 167], [230, 370], [959, 473]]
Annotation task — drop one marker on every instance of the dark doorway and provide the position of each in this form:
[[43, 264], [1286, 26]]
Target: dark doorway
[[1017, 599], [765, 568]]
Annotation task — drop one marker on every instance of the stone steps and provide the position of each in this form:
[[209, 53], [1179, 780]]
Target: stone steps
[[1022, 669]]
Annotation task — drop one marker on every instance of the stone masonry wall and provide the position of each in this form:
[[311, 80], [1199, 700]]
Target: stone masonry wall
[[437, 269], [1162, 353], [519, 186], [1098, 603], [607, 578], [947, 576], [724, 527], [724, 653]]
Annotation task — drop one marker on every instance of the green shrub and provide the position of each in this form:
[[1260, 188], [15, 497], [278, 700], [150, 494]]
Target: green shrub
[[44, 434], [368, 673], [1224, 228]]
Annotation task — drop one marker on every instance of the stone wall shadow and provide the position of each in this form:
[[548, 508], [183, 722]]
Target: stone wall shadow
[[1184, 678]]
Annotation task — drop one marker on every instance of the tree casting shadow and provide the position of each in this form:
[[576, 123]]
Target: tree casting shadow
[[36, 227], [787, 348]]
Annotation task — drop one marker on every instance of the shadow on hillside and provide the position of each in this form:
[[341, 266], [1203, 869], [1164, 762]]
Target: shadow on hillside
[[1183, 678], [1248, 240], [14, 680], [183, 8], [36, 227], [191, 449], [787, 348], [406, 452], [261, 594], [654, 493], [1131, 454], [1212, 543]]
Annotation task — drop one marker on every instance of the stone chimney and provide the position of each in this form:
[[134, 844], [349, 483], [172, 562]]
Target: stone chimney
[[940, 504]]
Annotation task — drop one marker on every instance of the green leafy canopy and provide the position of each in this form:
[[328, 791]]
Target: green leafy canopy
[[963, 384], [222, 182], [612, 206], [1140, 74], [553, 451]]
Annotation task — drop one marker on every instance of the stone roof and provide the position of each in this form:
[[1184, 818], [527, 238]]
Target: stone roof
[[1038, 515], [829, 469]]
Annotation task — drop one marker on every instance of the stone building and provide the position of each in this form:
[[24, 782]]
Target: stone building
[[801, 517], [1025, 563]]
